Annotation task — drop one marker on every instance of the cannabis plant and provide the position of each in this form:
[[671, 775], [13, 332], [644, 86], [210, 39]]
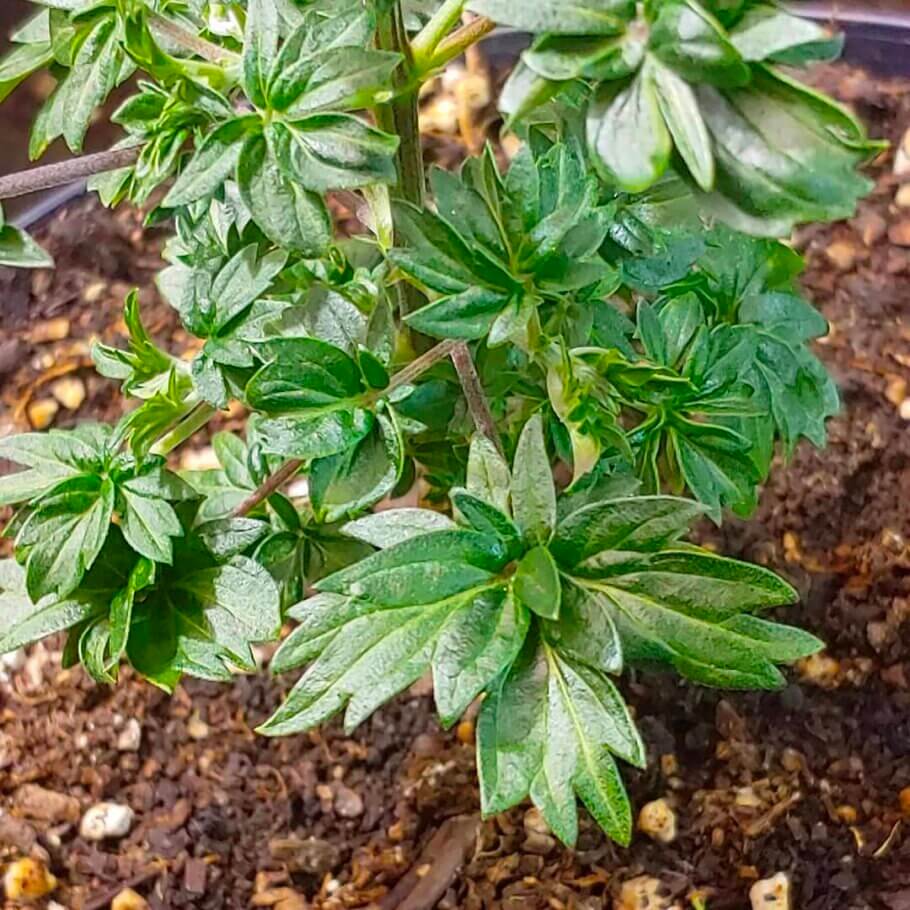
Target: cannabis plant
[[573, 355]]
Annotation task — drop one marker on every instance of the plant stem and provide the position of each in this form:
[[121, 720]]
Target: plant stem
[[50, 175], [400, 117], [186, 39], [201, 414], [272, 484], [402, 378], [425, 43], [474, 393], [458, 42]]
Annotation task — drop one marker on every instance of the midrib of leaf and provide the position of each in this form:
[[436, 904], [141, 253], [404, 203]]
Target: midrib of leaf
[[714, 627]]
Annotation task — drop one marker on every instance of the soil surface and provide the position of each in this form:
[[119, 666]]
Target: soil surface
[[807, 781]]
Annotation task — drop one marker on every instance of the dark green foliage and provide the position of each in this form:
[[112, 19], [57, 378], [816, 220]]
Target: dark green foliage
[[533, 605], [624, 341]]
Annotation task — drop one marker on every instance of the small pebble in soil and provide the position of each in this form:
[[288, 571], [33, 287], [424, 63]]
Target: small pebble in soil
[[658, 820], [44, 805], [106, 820], [771, 893], [842, 255], [644, 893], [69, 392], [28, 880], [312, 855], [902, 197], [41, 413], [348, 804], [130, 738], [904, 409], [904, 800], [902, 156], [129, 900], [197, 728]]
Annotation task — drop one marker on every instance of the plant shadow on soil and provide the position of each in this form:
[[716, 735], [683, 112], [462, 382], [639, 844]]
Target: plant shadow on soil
[[805, 781]]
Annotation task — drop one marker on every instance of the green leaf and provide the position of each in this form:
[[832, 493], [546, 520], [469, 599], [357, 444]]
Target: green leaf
[[536, 583], [638, 523], [715, 463], [25, 622], [260, 46], [629, 140], [690, 40], [489, 477], [585, 631], [303, 374], [148, 525], [533, 490], [312, 436], [333, 151], [354, 480], [20, 63], [422, 570], [97, 69], [229, 537], [387, 528], [287, 214], [64, 535], [486, 519], [473, 647], [596, 57], [684, 121], [241, 605], [121, 609], [366, 655], [214, 161], [343, 78], [468, 315], [566, 17], [767, 32], [18, 250], [783, 152], [546, 730]]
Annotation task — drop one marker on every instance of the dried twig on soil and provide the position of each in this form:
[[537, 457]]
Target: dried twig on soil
[[427, 881]]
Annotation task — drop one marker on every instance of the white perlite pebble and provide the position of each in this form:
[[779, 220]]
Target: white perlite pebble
[[106, 820], [658, 820], [771, 893], [130, 738]]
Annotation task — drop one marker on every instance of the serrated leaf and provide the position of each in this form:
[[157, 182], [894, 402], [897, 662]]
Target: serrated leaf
[[422, 570], [333, 151], [303, 374], [287, 214], [148, 524], [393, 526], [489, 477], [25, 622], [352, 481], [65, 534], [213, 162], [486, 519], [473, 647], [546, 730], [367, 654], [639, 523], [312, 436], [260, 45], [468, 315], [533, 490]]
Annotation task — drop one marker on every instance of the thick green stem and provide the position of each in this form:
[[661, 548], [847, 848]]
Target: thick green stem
[[190, 425], [424, 44], [400, 117]]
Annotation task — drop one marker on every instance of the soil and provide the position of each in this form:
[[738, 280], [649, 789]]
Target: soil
[[807, 781]]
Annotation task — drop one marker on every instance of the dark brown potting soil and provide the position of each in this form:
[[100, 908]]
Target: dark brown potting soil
[[807, 781]]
